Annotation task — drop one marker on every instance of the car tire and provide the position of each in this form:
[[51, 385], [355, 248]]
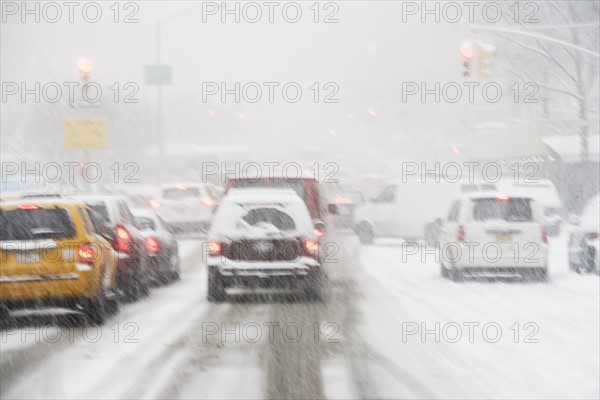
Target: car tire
[[4, 316], [590, 261], [176, 273], [542, 275], [216, 288], [431, 234], [457, 275], [314, 287], [365, 233], [96, 310], [445, 272]]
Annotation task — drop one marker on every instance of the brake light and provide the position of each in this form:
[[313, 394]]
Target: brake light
[[154, 203], [593, 235], [214, 248], [152, 245], [28, 206], [318, 232], [502, 197], [123, 239], [342, 199], [181, 187], [311, 247], [544, 236], [460, 237], [208, 202], [87, 254]]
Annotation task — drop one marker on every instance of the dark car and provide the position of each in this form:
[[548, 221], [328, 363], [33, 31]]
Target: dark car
[[161, 246], [113, 215]]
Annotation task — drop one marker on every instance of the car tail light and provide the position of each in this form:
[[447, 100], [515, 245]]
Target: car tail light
[[318, 232], [87, 254], [460, 237], [123, 239], [154, 203], [214, 248], [544, 236], [311, 247], [342, 199], [152, 245], [28, 206], [593, 235], [207, 202]]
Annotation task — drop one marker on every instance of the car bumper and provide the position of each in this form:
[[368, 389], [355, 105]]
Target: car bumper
[[526, 258], [501, 272], [247, 273], [42, 288]]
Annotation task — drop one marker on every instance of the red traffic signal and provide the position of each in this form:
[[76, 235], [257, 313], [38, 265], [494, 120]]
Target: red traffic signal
[[84, 66], [466, 50]]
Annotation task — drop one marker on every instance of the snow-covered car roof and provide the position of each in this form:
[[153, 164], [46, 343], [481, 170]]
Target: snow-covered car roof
[[239, 202], [139, 212], [543, 191], [497, 194], [42, 201], [100, 198], [186, 184]]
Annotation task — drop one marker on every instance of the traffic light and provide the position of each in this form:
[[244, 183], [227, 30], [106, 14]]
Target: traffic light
[[85, 68], [466, 52], [485, 55]]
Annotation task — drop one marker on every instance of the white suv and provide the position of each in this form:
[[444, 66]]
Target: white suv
[[187, 207], [494, 234], [262, 237]]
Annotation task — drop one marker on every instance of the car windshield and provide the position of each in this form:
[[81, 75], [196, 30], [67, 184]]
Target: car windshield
[[100, 211], [511, 210], [36, 224], [145, 223]]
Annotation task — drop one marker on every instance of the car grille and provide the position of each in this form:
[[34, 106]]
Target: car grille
[[263, 250]]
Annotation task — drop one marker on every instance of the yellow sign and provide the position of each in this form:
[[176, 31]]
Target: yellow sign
[[85, 134]]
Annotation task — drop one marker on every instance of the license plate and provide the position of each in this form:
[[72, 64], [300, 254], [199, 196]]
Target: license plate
[[28, 258], [503, 237]]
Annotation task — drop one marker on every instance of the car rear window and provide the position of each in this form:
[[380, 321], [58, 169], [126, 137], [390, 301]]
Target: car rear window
[[178, 194], [511, 210], [100, 210], [36, 224], [272, 216]]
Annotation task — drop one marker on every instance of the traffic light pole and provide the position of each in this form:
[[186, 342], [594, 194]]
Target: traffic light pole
[[159, 111]]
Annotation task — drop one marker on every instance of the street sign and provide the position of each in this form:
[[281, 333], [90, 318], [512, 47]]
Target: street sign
[[85, 134], [158, 75]]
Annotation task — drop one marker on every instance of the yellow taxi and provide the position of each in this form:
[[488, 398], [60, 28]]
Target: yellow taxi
[[52, 254]]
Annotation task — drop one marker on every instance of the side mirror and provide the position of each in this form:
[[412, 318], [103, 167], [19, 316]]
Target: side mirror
[[319, 227], [573, 219], [333, 209]]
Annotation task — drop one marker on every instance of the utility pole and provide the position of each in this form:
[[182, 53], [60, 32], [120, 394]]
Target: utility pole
[[159, 119]]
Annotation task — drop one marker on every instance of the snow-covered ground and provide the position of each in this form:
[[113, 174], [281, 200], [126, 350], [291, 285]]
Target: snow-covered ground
[[363, 340]]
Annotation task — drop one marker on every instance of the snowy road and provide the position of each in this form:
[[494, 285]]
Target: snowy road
[[365, 340]]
